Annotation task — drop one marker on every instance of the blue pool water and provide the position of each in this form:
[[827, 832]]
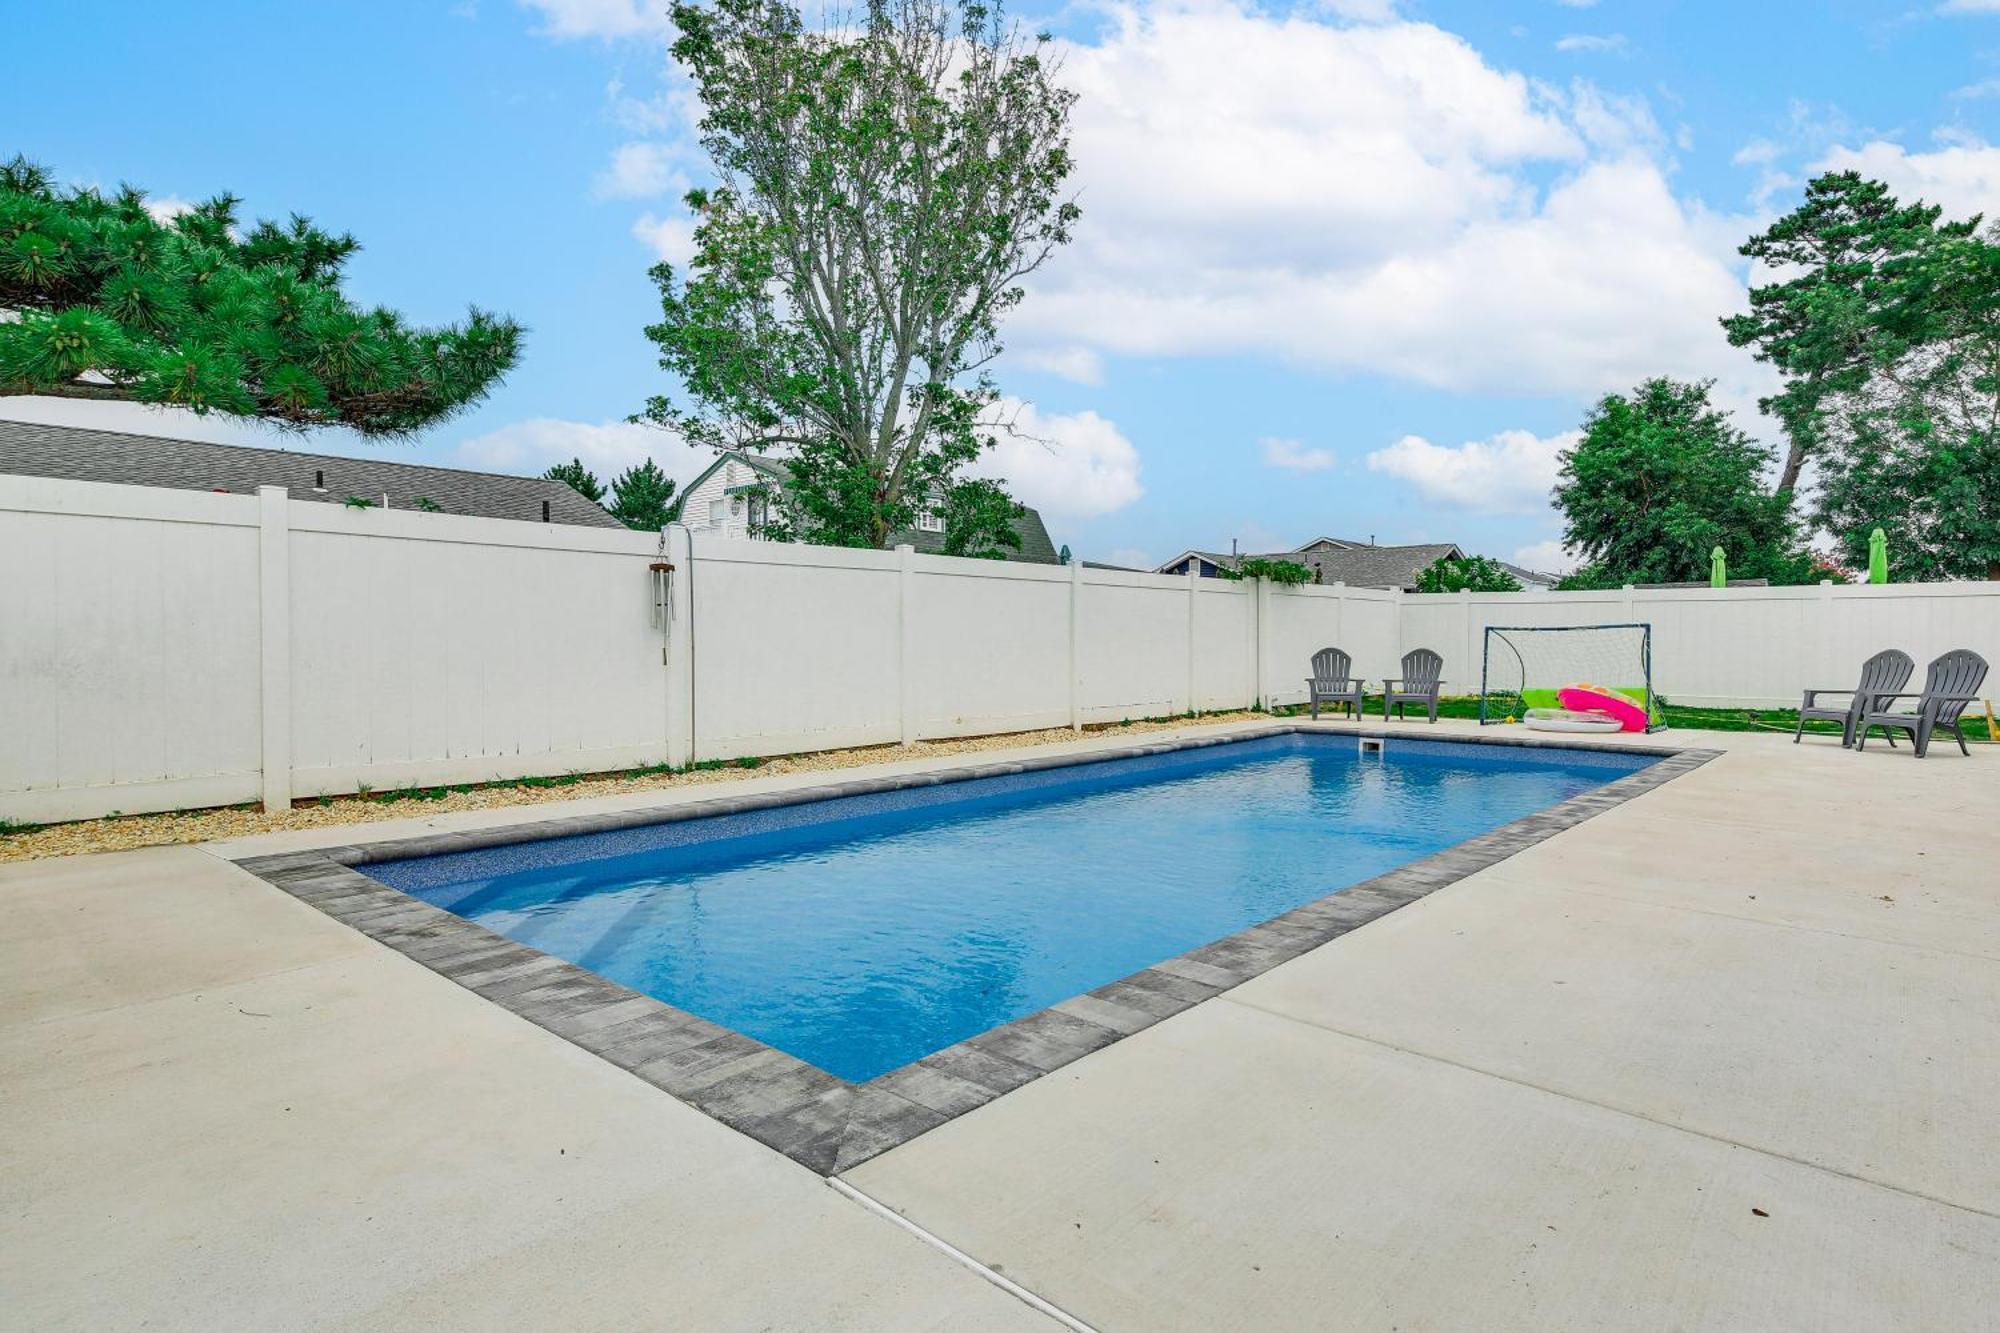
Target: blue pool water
[[862, 933]]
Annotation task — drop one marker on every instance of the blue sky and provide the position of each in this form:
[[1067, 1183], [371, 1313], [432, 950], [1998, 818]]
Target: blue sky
[[1351, 268]]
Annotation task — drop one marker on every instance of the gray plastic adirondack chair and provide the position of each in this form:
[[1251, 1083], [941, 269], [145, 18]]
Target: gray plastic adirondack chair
[[1885, 673], [1950, 683], [1332, 682], [1417, 685]]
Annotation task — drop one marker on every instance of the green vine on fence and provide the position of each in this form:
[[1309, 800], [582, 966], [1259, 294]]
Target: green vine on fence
[[1286, 573]]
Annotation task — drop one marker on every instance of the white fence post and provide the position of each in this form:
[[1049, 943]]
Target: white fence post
[[906, 556], [1474, 651], [1075, 656], [1261, 590], [274, 641], [680, 646], [1193, 591], [1340, 620]]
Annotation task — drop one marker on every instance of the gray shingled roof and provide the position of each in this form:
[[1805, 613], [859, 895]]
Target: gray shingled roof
[[1377, 566], [1358, 566], [77, 454]]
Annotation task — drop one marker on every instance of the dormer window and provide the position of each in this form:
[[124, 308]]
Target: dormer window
[[930, 520]]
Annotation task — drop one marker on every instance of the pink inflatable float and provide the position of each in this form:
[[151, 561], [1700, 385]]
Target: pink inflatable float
[[1597, 699]]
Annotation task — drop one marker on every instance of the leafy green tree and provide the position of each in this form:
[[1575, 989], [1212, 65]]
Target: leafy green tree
[[642, 497], [1818, 323], [102, 300], [1937, 498], [1285, 573], [883, 187], [579, 479], [1473, 573], [979, 518], [1919, 450], [1886, 327], [1659, 479]]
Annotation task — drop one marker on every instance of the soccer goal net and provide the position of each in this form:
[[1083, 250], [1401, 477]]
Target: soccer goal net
[[1530, 667]]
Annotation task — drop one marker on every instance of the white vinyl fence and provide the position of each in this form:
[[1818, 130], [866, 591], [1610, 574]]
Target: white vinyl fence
[[165, 649]]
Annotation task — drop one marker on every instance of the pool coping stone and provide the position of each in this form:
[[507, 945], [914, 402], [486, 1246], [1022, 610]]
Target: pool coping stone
[[828, 1124]]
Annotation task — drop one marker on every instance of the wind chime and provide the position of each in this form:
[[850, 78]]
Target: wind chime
[[662, 571]]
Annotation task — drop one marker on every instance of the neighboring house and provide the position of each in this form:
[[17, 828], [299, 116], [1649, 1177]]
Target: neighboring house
[[1531, 580], [729, 499], [1333, 560], [76, 454], [732, 499]]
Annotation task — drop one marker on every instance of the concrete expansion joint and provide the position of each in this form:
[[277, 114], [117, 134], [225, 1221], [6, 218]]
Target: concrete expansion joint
[[958, 1256]]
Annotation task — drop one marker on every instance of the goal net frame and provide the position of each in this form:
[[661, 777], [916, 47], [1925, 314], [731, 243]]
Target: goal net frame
[[1486, 659]]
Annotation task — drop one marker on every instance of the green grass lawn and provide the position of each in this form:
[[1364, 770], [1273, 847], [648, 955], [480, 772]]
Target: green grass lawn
[[1775, 720]]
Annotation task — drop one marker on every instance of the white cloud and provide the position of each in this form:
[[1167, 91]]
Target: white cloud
[[1973, 91], [1610, 43], [1075, 465], [599, 18], [670, 237], [1380, 199], [1963, 174], [1079, 365], [1969, 7], [1293, 456], [1337, 187], [166, 208], [606, 448], [1576, 4], [1511, 472], [1613, 124], [641, 170], [1549, 557], [1365, 11]]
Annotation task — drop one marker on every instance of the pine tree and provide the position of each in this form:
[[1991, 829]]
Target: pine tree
[[580, 479], [100, 299], [642, 497]]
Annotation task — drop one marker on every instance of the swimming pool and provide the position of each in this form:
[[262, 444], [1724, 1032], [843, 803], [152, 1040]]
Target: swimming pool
[[862, 933]]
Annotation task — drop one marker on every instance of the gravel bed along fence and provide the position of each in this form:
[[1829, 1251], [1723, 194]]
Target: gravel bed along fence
[[124, 832]]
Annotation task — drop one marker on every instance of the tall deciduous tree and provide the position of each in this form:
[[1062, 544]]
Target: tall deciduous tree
[[106, 301], [979, 520], [883, 189], [1918, 452], [1658, 480]]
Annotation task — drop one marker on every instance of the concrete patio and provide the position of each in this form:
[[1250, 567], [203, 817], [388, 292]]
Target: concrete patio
[[1726, 1056]]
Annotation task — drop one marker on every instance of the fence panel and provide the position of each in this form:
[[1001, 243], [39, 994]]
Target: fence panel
[[795, 648], [431, 648], [128, 649], [1132, 650]]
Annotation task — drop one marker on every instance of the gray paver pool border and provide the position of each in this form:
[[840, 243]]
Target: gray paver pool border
[[825, 1123]]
